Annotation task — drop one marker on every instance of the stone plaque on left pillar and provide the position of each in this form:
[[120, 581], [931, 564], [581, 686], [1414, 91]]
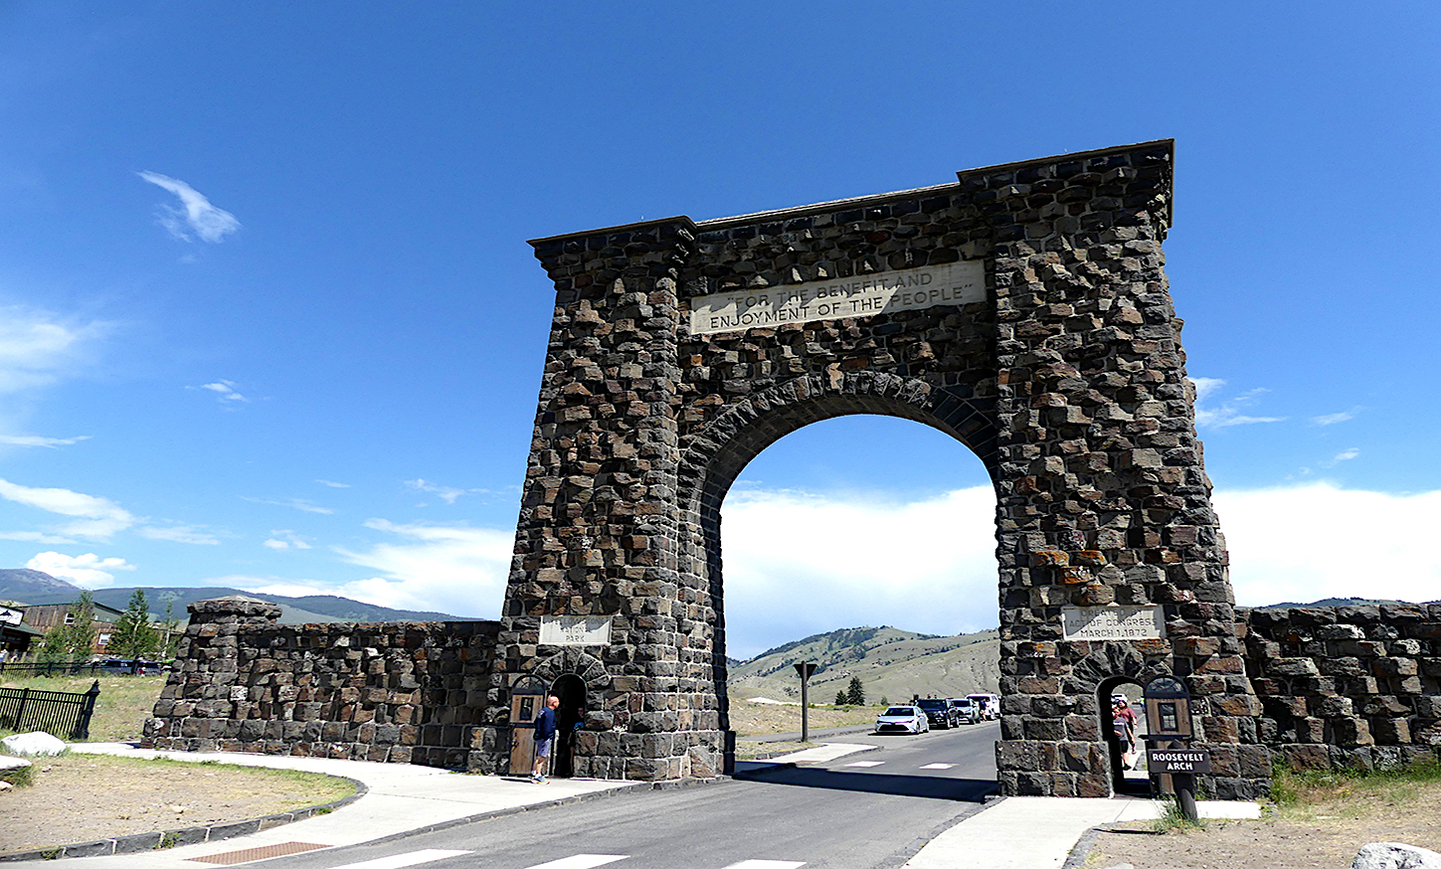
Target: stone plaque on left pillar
[[575, 630]]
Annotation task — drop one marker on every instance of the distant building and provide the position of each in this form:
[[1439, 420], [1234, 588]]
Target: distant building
[[46, 616], [15, 635]]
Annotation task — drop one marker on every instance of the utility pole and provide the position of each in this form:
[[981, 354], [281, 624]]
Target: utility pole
[[805, 669]]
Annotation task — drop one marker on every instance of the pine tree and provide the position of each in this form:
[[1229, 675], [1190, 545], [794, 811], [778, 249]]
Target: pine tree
[[134, 636], [856, 692], [841, 698], [79, 635]]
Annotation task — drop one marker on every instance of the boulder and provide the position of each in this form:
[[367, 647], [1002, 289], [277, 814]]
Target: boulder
[[9, 763], [37, 743], [1395, 855]]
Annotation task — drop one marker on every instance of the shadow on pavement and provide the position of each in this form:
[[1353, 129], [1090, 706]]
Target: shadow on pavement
[[929, 787]]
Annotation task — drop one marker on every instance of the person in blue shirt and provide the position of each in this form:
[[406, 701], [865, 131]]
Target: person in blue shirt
[[545, 727]]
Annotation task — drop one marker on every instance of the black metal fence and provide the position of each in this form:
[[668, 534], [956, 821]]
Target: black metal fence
[[60, 713], [88, 668]]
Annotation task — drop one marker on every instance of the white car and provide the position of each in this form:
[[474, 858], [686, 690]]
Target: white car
[[902, 719]]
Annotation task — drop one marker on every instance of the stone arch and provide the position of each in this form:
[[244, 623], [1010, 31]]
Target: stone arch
[[1023, 309], [573, 661]]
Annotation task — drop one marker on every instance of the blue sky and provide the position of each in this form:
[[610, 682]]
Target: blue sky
[[268, 318]]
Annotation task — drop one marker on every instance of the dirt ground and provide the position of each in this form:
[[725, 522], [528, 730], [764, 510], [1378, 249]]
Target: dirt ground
[[80, 798], [1324, 835]]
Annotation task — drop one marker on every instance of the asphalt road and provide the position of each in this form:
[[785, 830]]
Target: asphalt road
[[864, 810]]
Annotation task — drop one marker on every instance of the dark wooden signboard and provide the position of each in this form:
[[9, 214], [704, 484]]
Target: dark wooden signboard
[[1178, 760]]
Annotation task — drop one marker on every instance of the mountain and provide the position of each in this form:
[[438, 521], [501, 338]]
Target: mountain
[[34, 587], [21, 584], [890, 662]]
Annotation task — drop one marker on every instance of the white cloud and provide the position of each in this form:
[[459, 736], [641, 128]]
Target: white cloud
[[37, 347], [444, 493], [294, 504], [224, 390], [178, 534], [97, 518], [285, 539], [86, 571], [453, 568], [37, 441], [196, 216], [1229, 413], [334, 485], [1343, 456], [797, 564], [1334, 418], [34, 537], [1304, 543]]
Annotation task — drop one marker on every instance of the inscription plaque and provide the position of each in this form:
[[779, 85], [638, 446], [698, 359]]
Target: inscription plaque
[[575, 630], [957, 283], [1112, 623]]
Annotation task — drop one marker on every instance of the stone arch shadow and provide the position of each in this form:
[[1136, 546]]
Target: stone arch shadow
[[721, 451]]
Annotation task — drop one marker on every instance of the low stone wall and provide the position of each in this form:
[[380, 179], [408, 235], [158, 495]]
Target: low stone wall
[[1347, 686], [402, 692]]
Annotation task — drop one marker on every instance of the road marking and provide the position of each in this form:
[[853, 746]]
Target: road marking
[[580, 861], [938, 766], [401, 860], [766, 864], [866, 763]]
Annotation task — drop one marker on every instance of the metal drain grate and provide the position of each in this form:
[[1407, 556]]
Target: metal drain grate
[[264, 852]]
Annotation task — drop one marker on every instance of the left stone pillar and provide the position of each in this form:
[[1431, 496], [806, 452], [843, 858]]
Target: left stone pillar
[[195, 704], [594, 591]]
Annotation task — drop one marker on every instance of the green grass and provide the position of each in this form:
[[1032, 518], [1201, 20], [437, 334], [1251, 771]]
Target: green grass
[[120, 711], [1298, 793], [23, 777], [1173, 820]]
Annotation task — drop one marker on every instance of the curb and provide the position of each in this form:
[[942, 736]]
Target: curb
[[165, 839]]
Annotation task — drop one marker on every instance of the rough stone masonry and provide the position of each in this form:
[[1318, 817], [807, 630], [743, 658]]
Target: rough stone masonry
[[1060, 367]]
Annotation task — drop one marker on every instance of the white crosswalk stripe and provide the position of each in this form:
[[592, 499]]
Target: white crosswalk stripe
[[580, 861], [867, 763], [399, 861], [938, 766], [766, 864]]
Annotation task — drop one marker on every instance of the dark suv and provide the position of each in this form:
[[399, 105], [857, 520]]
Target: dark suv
[[937, 712]]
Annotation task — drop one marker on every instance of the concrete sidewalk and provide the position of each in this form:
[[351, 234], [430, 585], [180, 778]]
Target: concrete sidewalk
[[401, 798], [1013, 833]]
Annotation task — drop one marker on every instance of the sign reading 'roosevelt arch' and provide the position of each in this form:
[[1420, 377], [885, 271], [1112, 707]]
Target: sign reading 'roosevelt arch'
[[1022, 309]]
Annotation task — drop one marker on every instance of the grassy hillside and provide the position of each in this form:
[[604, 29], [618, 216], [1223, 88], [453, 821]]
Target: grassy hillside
[[890, 662]]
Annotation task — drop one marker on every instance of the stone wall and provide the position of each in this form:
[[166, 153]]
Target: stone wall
[[1348, 686], [406, 692]]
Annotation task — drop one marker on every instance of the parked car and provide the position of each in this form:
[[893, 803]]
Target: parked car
[[902, 719], [963, 711], [938, 713], [990, 705]]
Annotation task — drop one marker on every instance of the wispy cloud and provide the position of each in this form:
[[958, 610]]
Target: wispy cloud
[[196, 217], [1231, 412], [37, 347], [422, 566], [447, 494], [224, 391], [332, 484], [34, 537], [86, 571], [37, 441], [96, 518], [1334, 418], [1343, 456], [178, 534], [300, 504], [285, 539]]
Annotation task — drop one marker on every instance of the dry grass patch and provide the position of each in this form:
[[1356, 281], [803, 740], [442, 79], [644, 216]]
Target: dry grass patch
[[120, 711], [1317, 819], [763, 719], [82, 797]]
